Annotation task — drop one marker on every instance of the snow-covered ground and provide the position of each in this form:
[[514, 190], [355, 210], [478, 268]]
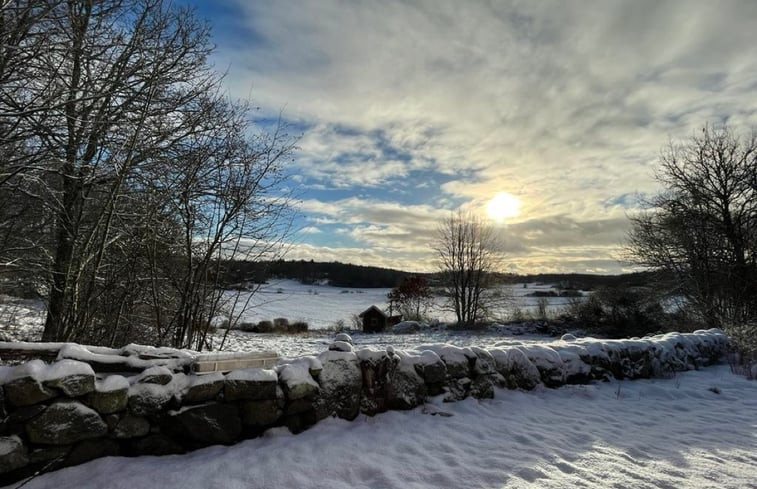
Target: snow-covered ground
[[697, 430], [314, 342], [324, 306]]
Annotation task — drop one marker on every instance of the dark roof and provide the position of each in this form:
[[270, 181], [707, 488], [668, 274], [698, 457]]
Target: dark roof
[[372, 308]]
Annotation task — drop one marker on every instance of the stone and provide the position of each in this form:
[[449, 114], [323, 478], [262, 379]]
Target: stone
[[341, 346], [155, 375], [208, 424], [260, 413], [91, 449], [110, 396], [344, 337], [204, 391], [405, 389], [341, 381], [65, 422], [131, 426], [155, 444], [433, 372], [27, 391], [547, 361], [13, 454], [250, 384], [50, 456], [71, 377], [406, 327], [516, 369], [297, 383], [375, 373], [298, 406], [146, 399]]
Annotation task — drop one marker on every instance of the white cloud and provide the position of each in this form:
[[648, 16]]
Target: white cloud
[[563, 104]]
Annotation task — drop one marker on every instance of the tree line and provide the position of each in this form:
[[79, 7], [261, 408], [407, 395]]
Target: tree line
[[127, 175]]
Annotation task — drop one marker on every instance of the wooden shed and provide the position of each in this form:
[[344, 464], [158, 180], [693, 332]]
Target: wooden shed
[[375, 320]]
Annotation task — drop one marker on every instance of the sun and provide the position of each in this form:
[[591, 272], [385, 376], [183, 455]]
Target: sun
[[503, 206]]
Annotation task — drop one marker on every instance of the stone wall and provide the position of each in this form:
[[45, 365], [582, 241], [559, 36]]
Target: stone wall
[[63, 413]]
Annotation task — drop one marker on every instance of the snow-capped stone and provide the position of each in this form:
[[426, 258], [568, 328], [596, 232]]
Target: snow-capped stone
[[71, 377], [340, 381], [65, 422], [250, 384], [110, 395], [340, 346], [154, 375], [568, 337], [202, 388], [406, 327], [296, 381], [344, 337], [145, 399]]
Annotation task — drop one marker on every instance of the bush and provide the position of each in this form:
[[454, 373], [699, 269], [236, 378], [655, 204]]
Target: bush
[[298, 327], [280, 324], [264, 326], [620, 312], [247, 326]]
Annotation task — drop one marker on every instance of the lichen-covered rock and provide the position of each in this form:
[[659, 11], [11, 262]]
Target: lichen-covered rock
[[111, 395], [250, 384], [71, 377], [65, 422], [146, 399], [340, 383], [206, 424], [260, 414], [203, 388], [13, 454], [26, 391], [131, 426]]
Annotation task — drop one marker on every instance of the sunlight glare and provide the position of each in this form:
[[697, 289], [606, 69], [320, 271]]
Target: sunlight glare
[[503, 206]]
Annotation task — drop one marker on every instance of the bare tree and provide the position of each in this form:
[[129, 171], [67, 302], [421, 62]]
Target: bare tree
[[139, 176], [469, 254], [702, 228]]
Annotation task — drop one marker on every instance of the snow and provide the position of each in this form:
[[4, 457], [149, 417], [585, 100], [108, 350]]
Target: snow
[[41, 371], [111, 383], [324, 306], [253, 375], [667, 433]]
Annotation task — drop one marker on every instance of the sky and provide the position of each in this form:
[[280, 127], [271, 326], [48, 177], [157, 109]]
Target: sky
[[409, 110]]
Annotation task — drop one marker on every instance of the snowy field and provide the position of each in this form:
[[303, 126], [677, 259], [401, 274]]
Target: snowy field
[[697, 430], [314, 342], [323, 306]]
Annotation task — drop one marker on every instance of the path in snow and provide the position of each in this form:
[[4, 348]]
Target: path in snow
[[672, 433]]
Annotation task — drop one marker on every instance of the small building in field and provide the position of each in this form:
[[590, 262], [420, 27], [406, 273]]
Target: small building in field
[[375, 320]]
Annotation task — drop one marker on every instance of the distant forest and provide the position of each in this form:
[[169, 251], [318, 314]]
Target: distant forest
[[239, 273]]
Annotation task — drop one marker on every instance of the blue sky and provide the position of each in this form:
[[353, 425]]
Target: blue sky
[[409, 110]]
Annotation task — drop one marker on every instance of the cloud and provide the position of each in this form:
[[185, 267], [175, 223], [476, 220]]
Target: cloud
[[563, 104]]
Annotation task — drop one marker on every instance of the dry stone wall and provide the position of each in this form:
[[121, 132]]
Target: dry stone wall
[[60, 414]]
